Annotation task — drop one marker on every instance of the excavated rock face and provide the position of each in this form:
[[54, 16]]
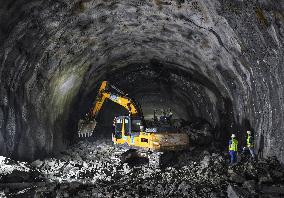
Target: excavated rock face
[[221, 61]]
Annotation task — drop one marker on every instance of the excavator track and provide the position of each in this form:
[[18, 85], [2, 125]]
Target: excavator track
[[155, 159]]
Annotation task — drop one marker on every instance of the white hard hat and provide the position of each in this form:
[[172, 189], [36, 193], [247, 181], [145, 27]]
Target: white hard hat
[[233, 136], [249, 132]]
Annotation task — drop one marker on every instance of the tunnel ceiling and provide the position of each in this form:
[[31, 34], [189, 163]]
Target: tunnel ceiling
[[221, 61]]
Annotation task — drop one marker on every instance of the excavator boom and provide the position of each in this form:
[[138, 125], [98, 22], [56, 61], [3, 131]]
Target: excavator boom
[[87, 125]]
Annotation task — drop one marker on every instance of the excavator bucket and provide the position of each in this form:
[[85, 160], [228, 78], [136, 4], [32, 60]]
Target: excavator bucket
[[86, 127]]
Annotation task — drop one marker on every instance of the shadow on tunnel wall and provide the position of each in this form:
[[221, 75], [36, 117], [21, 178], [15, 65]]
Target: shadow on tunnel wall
[[228, 126], [80, 107]]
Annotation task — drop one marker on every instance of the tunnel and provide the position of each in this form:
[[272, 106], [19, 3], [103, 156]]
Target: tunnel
[[218, 61]]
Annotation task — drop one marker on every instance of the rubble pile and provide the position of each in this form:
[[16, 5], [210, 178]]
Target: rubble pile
[[86, 162], [251, 179], [200, 133], [94, 169], [12, 171]]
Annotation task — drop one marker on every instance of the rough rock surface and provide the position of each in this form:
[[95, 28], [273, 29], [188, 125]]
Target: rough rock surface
[[95, 170], [12, 171], [215, 59]]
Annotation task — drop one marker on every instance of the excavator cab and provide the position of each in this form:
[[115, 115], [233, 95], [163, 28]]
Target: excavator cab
[[125, 126], [122, 126], [118, 122]]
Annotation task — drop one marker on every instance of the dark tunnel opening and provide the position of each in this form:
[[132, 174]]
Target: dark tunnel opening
[[158, 85]]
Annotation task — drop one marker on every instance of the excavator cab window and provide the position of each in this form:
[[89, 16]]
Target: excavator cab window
[[118, 128], [136, 125], [127, 126]]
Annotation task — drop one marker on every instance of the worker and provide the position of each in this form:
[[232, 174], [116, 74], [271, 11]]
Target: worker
[[249, 144], [233, 149]]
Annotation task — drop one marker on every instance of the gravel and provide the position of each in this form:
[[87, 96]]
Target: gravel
[[94, 169]]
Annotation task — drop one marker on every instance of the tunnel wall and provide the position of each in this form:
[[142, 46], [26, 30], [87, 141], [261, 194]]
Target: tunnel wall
[[54, 53], [259, 28]]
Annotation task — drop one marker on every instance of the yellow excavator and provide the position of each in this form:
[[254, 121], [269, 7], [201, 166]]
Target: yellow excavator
[[130, 129]]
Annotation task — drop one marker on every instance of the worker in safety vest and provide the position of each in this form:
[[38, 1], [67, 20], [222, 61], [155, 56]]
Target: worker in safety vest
[[249, 144], [233, 149]]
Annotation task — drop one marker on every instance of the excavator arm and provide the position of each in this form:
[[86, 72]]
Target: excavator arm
[[88, 124], [124, 101]]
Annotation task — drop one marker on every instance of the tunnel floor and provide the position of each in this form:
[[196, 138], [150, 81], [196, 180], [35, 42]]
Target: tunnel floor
[[94, 169]]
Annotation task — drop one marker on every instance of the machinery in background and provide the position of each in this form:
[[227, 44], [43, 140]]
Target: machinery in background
[[130, 129]]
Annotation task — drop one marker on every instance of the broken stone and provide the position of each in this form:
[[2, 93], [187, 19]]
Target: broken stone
[[196, 174], [159, 189], [184, 188], [236, 192], [12, 171], [205, 162], [273, 190], [265, 179], [237, 178], [2, 194], [250, 185], [230, 171], [37, 163], [51, 163], [277, 174]]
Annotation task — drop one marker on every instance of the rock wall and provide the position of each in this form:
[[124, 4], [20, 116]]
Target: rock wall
[[221, 61]]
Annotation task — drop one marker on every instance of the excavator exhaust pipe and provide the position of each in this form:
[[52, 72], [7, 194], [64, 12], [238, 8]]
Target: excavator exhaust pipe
[[86, 128]]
